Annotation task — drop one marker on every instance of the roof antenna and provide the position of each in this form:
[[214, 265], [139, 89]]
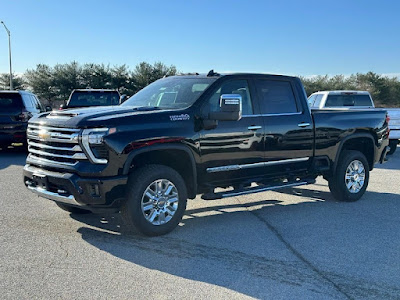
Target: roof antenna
[[212, 73]]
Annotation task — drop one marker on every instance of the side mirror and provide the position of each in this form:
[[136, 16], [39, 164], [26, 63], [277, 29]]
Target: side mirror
[[230, 108], [123, 98], [48, 108], [62, 106]]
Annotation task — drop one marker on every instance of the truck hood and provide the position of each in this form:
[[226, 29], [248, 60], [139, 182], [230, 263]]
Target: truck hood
[[96, 116]]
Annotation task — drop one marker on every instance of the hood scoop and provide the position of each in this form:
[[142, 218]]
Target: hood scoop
[[61, 115]]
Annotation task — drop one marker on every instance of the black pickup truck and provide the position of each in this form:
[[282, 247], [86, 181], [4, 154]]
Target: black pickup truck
[[184, 136]]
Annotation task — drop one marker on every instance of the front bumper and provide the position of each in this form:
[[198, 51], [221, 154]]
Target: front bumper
[[95, 194]]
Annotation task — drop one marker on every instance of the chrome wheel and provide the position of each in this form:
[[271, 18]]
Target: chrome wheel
[[160, 202], [355, 176]]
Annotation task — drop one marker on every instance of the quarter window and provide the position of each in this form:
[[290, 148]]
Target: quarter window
[[317, 101], [277, 97]]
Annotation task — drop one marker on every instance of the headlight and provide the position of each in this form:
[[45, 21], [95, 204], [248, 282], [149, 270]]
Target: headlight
[[92, 139]]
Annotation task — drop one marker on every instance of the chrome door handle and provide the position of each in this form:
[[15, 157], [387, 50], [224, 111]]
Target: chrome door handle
[[303, 124], [253, 127]]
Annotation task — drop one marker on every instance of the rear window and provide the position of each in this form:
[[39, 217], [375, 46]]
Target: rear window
[[10, 101], [82, 99], [348, 100]]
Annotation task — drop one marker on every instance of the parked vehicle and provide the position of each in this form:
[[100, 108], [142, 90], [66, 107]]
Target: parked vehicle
[[184, 136], [16, 108], [394, 125], [92, 97], [356, 100], [341, 99]]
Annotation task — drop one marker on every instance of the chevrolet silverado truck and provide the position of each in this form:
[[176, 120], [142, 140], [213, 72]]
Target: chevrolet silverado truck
[[92, 97], [356, 100], [212, 135]]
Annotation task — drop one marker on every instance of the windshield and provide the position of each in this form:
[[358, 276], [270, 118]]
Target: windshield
[[348, 100], [171, 92], [93, 98]]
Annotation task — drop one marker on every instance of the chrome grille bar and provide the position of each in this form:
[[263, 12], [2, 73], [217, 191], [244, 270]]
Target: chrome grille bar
[[58, 145], [75, 148]]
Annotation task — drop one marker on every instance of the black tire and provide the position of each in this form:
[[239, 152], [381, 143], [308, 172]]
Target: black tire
[[337, 183], [393, 146], [139, 182], [73, 209]]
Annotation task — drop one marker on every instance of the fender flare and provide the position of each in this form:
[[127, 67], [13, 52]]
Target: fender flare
[[134, 153], [351, 137]]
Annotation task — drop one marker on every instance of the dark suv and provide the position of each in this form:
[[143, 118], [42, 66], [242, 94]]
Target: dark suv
[[16, 108]]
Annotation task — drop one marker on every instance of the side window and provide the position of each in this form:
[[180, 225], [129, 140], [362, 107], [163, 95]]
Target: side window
[[27, 101], [311, 100], [35, 103], [317, 101], [240, 87], [277, 97], [40, 105]]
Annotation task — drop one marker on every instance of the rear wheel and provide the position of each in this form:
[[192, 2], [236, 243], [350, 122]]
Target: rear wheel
[[393, 146], [73, 209], [351, 176], [157, 197]]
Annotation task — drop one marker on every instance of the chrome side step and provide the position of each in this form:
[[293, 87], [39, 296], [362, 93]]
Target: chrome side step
[[256, 189]]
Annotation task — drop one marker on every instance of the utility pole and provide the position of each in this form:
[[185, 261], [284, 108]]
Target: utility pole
[[9, 53]]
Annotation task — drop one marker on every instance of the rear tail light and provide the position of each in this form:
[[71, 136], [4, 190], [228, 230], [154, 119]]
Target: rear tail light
[[24, 116], [387, 122]]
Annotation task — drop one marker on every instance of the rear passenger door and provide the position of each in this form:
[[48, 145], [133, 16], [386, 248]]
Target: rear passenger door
[[288, 129]]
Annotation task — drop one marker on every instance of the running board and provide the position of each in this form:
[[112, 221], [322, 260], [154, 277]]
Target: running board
[[256, 189]]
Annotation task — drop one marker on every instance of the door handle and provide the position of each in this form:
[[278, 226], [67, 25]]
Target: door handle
[[254, 127], [303, 124]]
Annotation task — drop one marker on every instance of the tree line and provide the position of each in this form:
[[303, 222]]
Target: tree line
[[54, 84], [385, 90]]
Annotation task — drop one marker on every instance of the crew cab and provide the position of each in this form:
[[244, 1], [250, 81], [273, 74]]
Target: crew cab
[[356, 100], [184, 136], [92, 97]]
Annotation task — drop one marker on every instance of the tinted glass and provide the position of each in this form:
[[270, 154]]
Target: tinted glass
[[317, 101], [240, 87], [93, 98], [311, 100], [276, 97], [348, 100], [10, 102], [170, 93]]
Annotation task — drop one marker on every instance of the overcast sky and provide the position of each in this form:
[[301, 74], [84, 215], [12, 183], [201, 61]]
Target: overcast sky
[[286, 37]]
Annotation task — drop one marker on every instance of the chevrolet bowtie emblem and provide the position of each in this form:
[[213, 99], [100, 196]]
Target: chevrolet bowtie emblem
[[44, 135]]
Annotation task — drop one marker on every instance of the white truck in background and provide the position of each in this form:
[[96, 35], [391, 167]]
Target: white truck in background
[[356, 100]]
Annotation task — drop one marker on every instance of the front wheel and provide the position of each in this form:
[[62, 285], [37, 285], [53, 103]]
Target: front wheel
[[393, 146], [351, 177], [156, 200]]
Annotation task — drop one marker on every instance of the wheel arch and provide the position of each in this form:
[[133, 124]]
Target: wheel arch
[[363, 142], [177, 157]]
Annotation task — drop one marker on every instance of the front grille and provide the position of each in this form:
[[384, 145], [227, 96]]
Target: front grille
[[55, 144]]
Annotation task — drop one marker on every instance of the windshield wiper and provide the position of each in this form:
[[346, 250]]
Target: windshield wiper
[[146, 108]]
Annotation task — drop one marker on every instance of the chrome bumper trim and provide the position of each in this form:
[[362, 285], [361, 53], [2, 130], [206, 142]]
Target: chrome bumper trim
[[54, 196]]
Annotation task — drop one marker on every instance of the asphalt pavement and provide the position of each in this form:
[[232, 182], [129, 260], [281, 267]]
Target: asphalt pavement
[[291, 244]]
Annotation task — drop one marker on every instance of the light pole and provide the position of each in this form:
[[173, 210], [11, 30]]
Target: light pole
[[9, 52]]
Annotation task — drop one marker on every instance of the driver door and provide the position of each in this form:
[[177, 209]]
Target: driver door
[[233, 149]]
